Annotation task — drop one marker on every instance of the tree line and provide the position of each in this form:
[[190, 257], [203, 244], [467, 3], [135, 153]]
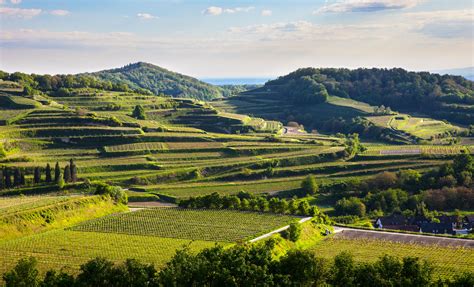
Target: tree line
[[240, 265], [12, 177], [248, 202], [445, 188], [60, 85]]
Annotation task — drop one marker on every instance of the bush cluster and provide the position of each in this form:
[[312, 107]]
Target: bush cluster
[[248, 202]]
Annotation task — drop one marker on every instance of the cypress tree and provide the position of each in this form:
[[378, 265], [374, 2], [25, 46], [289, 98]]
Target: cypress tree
[[57, 172], [67, 174], [48, 173], [73, 168], [22, 177], [37, 176], [16, 177], [8, 179], [2, 178]]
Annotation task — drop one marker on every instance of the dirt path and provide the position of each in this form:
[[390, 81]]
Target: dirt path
[[292, 131], [277, 230], [349, 233], [148, 204]]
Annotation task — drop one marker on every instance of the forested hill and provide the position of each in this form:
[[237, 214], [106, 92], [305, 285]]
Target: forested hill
[[160, 81], [446, 97]]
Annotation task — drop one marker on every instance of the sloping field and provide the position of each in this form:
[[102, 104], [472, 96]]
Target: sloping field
[[15, 204], [415, 149], [20, 217], [58, 249], [209, 225], [446, 261]]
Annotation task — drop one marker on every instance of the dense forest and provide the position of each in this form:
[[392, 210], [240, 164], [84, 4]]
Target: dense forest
[[440, 96], [140, 78], [62, 85], [160, 81]]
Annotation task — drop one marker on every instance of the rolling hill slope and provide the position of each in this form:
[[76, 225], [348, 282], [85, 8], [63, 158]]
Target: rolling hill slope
[[443, 97], [160, 81], [394, 105]]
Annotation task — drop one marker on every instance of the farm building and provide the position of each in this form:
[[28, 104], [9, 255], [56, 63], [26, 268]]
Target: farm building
[[437, 228], [469, 221], [444, 224], [395, 222]]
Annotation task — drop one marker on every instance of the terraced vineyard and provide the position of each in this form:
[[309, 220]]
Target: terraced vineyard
[[208, 225], [417, 149], [177, 153], [10, 205], [69, 249], [150, 235], [446, 261], [183, 148]]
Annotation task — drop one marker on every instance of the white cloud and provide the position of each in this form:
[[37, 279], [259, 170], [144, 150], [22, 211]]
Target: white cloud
[[443, 24], [15, 1], [18, 12], [146, 16], [249, 50], [238, 9], [214, 10], [366, 6], [266, 13], [59, 12]]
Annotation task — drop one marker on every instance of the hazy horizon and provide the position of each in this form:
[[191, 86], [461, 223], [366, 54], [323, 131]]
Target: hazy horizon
[[233, 39], [259, 78]]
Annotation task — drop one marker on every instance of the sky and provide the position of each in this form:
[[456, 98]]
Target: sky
[[220, 39]]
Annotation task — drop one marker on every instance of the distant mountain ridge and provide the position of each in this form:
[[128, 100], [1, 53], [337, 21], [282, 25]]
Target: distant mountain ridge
[[235, 81], [158, 80], [467, 72]]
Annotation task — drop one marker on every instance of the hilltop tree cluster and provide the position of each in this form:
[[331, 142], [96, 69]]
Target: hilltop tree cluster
[[144, 76], [60, 85], [11, 177], [439, 96], [240, 265]]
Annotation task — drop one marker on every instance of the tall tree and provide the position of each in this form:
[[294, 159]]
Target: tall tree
[[309, 185], [25, 273], [48, 173], [139, 112], [67, 173], [8, 179], [57, 172], [37, 175], [73, 168], [22, 177], [2, 178], [16, 177]]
